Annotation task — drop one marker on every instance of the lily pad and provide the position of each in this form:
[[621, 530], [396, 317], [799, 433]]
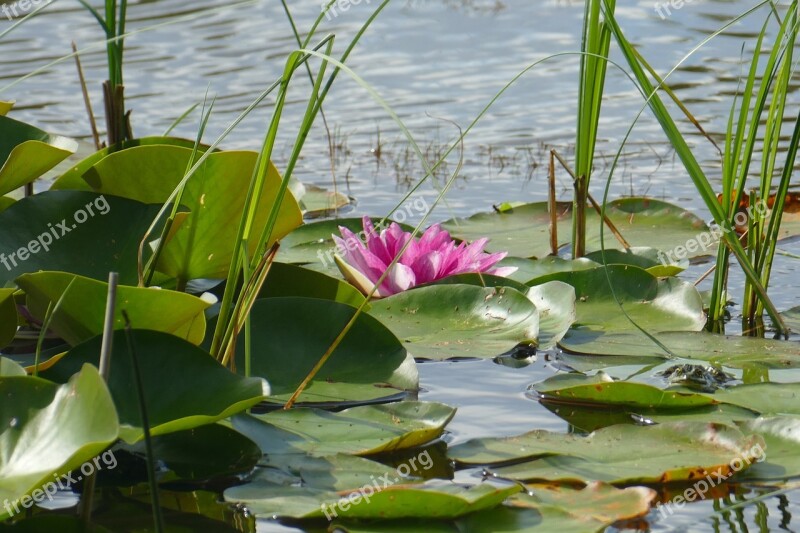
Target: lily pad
[[720, 350], [49, 430], [203, 244], [26, 152], [530, 269], [8, 317], [362, 430], [81, 314], [652, 260], [601, 389], [431, 500], [292, 280], [291, 334], [317, 202], [444, 321], [678, 451], [655, 305], [9, 368], [523, 230], [184, 386], [44, 233], [764, 398], [780, 459]]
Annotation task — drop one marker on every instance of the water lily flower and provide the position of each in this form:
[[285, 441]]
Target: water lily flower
[[433, 256]]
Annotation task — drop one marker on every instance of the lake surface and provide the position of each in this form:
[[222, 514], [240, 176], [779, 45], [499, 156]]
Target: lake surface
[[436, 62]]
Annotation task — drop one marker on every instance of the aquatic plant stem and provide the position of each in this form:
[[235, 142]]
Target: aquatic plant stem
[[86, 101]]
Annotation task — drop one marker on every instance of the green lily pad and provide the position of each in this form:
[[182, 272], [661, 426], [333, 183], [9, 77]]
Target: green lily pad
[[764, 398], [678, 451], [184, 386], [73, 178], [8, 317], [362, 430], [719, 350], [792, 318], [317, 202], [555, 302], [523, 230], [444, 321], [49, 430], [44, 233], [601, 389], [5, 107], [81, 314], [292, 280], [203, 244], [9, 368], [656, 305], [530, 269], [780, 459], [27, 152], [432, 500], [652, 260], [291, 334]]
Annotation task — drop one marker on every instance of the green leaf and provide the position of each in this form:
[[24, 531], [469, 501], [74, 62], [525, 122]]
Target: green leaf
[[719, 350], [184, 386], [434, 499], [530, 269], [779, 459], [444, 321], [9, 368], [73, 178], [49, 430], [292, 280], [44, 230], [5, 107], [523, 231], [764, 398], [555, 302], [362, 430], [662, 453], [8, 317], [27, 152], [601, 389], [81, 314], [317, 202], [655, 305], [289, 335], [203, 244], [649, 259]]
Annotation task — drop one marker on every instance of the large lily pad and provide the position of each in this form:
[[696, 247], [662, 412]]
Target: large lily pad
[[292, 280], [523, 230], [203, 244], [46, 227], [780, 459], [362, 430], [291, 334], [8, 317], [432, 500], [601, 389], [49, 429], [81, 314], [764, 398], [184, 386], [655, 305], [444, 321], [727, 350], [26, 152], [677, 451]]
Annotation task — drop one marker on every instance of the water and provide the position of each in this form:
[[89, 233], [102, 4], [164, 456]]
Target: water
[[436, 62]]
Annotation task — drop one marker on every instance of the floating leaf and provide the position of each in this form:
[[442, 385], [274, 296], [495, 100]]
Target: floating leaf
[[8, 317], [203, 244], [601, 389], [291, 334], [292, 280], [81, 314], [523, 231], [362, 430], [434, 499], [443, 321], [764, 398], [662, 453], [317, 202], [530, 269], [184, 386], [9, 368], [45, 229], [49, 430], [555, 302], [652, 260], [27, 152]]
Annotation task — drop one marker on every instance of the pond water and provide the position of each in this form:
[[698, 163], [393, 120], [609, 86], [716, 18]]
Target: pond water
[[436, 62]]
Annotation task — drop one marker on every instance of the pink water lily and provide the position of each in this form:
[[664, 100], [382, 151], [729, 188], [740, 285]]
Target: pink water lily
[[434, 255]]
